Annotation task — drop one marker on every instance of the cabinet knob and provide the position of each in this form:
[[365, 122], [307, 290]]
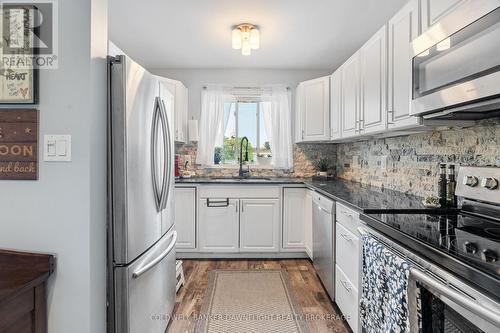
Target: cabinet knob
[[489, 183], [470, 181]]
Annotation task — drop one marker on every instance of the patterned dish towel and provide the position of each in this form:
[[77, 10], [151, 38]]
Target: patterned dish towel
[[384, 299]]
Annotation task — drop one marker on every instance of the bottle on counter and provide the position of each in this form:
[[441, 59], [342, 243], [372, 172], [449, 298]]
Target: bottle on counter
[[442, 185], [451, 198]]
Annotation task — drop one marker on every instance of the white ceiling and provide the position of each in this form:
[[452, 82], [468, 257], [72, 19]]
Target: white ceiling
[[295, 34]]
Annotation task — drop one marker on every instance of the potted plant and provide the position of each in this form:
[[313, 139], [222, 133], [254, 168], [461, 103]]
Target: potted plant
[[322, 165], [217, 155]]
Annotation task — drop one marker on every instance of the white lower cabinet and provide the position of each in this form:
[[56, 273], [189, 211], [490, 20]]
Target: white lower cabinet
[[259, 225], [308, 224], [347, 298], [185, 217], [294, 218], [218, 226]]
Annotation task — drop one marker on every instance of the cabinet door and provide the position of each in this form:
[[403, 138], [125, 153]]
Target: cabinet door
[[259, 225], [308, 225], [403, 28], [374, 83], [218, 226], [434, 10], [299, 92], [316, 109], [335, 105], [350, 97], [294, 200], [185, 217], [181, 109]]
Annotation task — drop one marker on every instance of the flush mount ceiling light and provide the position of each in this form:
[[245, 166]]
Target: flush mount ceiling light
[[246, 37]]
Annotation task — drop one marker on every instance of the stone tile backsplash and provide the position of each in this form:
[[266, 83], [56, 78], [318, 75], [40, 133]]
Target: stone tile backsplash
[[412, 161], [304, 157]]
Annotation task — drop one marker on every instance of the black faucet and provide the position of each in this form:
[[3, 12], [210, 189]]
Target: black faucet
[[243, 174]]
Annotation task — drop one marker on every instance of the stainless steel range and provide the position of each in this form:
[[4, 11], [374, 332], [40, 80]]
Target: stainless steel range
[[456, 255]]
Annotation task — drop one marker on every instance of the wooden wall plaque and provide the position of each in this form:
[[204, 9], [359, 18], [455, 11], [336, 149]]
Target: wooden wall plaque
[[19, 144]]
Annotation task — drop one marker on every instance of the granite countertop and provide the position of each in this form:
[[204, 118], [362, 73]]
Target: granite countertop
[[370, 199], [239, 181], [364, 198]]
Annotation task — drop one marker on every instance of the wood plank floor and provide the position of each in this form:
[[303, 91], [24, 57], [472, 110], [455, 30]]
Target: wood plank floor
[[307, 288]]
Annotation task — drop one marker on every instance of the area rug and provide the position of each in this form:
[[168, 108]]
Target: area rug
[[248, 302]]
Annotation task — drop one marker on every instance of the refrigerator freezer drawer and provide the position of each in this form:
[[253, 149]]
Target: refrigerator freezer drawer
[[145, 290]]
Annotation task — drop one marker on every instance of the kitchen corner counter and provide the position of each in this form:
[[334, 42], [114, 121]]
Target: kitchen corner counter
[[363, 198], [369, 199], [248, 181]]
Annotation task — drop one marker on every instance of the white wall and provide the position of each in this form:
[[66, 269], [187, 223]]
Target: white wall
[[195, 79], [64, 212]]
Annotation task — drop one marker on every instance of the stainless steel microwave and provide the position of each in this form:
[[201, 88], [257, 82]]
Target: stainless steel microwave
[[456, 64]]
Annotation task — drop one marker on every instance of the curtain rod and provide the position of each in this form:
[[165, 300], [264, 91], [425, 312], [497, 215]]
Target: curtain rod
[[287, 88]]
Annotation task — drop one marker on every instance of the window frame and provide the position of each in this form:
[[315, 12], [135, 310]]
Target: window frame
[[257, 148]]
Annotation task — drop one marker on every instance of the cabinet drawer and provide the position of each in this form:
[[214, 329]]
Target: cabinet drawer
[[239, 191], [346, 297], [347, 253], [348, 218]]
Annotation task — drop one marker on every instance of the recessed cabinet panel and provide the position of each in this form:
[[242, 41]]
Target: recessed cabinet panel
[[434, 10], [335, 105], [185, 217], [374, 83], [315, 109], [259, 225], [350, 97], [403, 28], [218, 225], [294, 218]]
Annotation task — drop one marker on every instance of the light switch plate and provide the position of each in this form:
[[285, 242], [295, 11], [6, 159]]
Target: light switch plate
[[57, 148]]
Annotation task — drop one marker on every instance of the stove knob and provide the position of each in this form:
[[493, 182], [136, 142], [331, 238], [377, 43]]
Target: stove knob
[[489, 183], [489, 256], [470, 248], [470, 181]]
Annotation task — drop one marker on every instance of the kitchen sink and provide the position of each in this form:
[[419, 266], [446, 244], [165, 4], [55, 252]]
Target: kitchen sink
[[239, 179]]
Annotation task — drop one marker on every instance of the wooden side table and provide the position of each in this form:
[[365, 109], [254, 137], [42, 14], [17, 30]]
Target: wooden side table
[[23, 303]]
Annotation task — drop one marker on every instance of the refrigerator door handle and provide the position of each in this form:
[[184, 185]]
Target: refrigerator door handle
[[154, 144], [137, 273], [167, 169]]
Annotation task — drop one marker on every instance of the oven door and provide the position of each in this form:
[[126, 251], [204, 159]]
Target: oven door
[[449, 307], [456, 64]]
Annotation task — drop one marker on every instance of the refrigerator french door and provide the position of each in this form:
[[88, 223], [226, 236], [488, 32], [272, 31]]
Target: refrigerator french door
[[141, 237]]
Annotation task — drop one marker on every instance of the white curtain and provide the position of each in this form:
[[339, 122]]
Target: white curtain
[[211, 122], [277, 118]]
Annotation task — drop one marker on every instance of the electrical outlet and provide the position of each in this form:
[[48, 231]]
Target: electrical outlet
[[355, 161], [383, 162]]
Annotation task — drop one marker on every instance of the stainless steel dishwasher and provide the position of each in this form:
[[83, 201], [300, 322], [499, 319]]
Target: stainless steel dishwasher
[[323, 241]]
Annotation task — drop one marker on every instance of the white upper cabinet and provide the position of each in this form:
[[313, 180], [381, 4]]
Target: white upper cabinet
[[403, 28], [350, 97], [434, 10], [180, 93], [335, 105], [259, 225], [313, 96], [181, 112], [374, 83]]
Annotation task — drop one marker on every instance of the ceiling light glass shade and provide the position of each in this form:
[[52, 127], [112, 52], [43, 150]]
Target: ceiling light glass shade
[[444, 45], [236, 39], [246, 50], [254, 39]]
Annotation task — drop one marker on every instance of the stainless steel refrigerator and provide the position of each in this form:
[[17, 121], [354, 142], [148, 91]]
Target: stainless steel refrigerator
[[141, 235]]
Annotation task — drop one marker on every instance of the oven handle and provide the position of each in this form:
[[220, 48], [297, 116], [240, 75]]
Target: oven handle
[[472, 306]]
